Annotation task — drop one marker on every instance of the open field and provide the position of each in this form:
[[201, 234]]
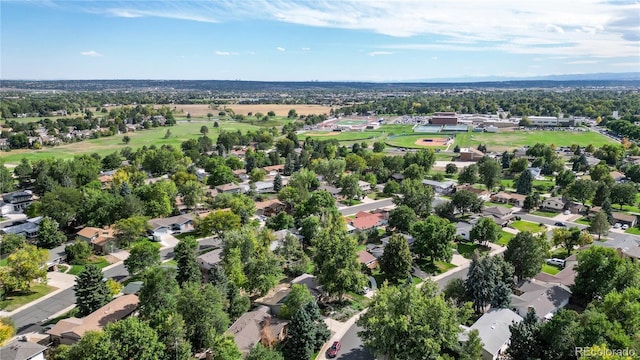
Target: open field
[[201, 110], [412, 141], [340, 136], [514, 139], [180, 132]]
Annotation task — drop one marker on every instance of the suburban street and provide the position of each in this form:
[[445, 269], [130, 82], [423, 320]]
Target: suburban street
[[27, 320], [376, 204]]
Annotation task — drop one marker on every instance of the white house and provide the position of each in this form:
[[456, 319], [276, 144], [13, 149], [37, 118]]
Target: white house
[[554, 203], [493, 328], [364, 186]]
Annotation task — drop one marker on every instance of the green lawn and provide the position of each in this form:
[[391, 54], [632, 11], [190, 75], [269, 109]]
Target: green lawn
[[505, 238], [633, 230], [343, 136], [491, 203], [180, 132], [99, 261], [351, 202], [550, 269], [439, 268], [466, 249], [3, 262], [409, 141], [546, 213], [509, 140], [14, 301], [527, 226], [583, 221]]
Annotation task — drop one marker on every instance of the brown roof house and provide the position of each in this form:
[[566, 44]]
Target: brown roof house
[[501, 215], [69, 331], [509, 198], [103, 240], [269, 207], [257, 326], [368, 260], [625, 219]]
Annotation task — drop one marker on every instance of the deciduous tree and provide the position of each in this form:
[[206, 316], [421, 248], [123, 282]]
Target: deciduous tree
[[569, 238], [402, 219], [298, 297], [419, 331], [485, 230], [78, 252], [582, 190], [526, 253], [396, 260], [490, 172], [201, 308], [185, 255], [465, 200], [143, 255], [600, 224], [433, 239], [469, 175], [623, 194]]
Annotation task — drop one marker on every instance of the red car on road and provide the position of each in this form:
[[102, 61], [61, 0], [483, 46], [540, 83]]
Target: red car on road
[[334, 349]]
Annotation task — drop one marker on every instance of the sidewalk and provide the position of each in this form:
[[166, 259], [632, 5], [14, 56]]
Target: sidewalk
[[60, 281]]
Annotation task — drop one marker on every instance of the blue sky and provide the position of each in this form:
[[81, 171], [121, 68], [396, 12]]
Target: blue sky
[[330, 40]]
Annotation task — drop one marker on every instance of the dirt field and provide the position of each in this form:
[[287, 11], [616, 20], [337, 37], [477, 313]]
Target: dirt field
[[329, 133], [201, 110], [433, 142]]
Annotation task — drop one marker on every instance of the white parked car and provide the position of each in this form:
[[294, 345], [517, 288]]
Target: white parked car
[[567, 212], [625, 227], [556, 262], [617, 226]]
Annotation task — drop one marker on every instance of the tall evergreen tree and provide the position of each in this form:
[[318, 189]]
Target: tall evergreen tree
[[289, 165], [602, 194], [307, 333], [472, 348], [91, 291], [277, 183], [524, 184], [606, 207]]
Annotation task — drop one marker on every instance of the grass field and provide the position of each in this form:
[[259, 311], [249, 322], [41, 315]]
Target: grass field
[[409, 141], [340, 136], [527, 226], [99, 261], [14, 301], [180, 132], [546, 213], [550, 269], [514, 139], [505, 238]]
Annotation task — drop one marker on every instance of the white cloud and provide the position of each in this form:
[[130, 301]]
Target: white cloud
[[91, 53], [225, 53], [635, 64], [434, 58], [545, 27], [378, 53], [582, 62], [306, 49], [280, 48]]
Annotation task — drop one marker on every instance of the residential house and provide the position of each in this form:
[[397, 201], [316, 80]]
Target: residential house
[[334, 191], [593, 211], [500, 214], [482, 194], [241, 174], [22, 350], [105, 180], [269, 207], [365, 187], [277, 296], [463, 230], [493, 329], [627, 247], [69, 331], [617, 176], [232, 188], [56, 256], [274, 169], [264, 186], [410, 239], [209, 259], [555, 203], [441, 188], [367, 259], [103, 240], [257, 326], [625, 219], [201, 173], [565, 277], [545, 298], [28, 228], [574, 207], [470, 154], [365, 221], [280, 235], [15, 202], [162, 226], [398, 177], [377, 250], [501, 197], [517, 199]]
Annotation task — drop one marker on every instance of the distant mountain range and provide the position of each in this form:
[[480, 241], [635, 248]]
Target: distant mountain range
[[627, 76]]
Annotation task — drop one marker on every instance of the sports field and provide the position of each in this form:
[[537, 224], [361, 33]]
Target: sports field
[[515, 139], [351, 122], [341, 135], [417, 141], [180, 132]]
